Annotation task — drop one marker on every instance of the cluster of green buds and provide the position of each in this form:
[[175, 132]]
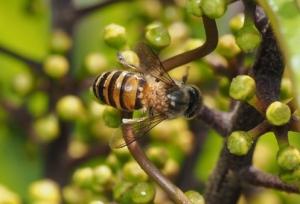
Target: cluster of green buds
[[213, 9], [44, 191], [277, 113], [288, 159], [129, 184], [247, 37]]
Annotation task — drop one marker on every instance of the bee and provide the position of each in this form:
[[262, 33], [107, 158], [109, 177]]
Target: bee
[[149, 88]]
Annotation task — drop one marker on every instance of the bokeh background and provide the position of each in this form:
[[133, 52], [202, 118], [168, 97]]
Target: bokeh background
[[32, 127]]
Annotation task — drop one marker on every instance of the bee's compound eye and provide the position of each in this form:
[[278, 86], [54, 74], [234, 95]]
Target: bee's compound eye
[[195, 102]]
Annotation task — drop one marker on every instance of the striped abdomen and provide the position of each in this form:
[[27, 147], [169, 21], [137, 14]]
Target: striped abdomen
[[120, 89]]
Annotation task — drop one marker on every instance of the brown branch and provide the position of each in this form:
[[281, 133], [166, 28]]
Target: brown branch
[[256, 177], [21, 116], [211, 33], [224, 185], [260, 129], [136, 151], [35, 65], [295, 124], [219, 121], [82, 12]]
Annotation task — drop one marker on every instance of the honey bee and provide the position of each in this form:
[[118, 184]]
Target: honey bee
[[149, 88]]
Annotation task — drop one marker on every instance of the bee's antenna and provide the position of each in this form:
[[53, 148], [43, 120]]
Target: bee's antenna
[[123, 61], [186, 74]]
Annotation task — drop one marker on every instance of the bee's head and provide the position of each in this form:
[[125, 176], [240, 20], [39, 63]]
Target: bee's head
[[185, 100]]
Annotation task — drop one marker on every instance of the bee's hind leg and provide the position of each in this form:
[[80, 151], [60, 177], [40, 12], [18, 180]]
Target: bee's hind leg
[[132, 120]]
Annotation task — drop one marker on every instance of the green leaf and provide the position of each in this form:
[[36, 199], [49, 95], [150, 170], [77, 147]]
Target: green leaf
[[284, 16]]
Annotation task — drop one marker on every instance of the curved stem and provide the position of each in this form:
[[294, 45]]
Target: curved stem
[[136, 151], [259, 178], [211, 33]]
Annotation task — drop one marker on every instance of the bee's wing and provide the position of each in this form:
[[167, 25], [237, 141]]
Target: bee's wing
[[151, 64], [139, 129]]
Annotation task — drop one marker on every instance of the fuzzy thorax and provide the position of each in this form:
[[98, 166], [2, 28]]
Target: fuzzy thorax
[[155, 95]]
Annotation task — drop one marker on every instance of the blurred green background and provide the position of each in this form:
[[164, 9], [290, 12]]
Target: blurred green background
[[25, 28]]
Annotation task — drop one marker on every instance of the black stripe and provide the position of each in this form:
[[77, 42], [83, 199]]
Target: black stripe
[[101, 86], [138, 102], [122, 104], [111, 86], [95, 86]]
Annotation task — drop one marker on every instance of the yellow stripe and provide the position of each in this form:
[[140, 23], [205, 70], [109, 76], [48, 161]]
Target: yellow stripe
[[106, 85], [117, 89]]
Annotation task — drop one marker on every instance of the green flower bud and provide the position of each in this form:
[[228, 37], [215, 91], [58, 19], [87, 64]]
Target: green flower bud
[[214, 8], [23, 83], [278, 113], [8, 197], [60, 42], [193, 7], [239, 143], [157, 35], [286, 89], [227, 46], [56, 66], [242, 88], [237, 22], [288, 158], [143, 193], [122, 154], [194, 197], [112, 161], [73, 194], [131, 57], [248, 37], [112, 117], [44, 191], [47, 128], [133, 172], [96, 110], [171, 168], [115, 35], [83, 177], [77, 149], [95, 63], [70, 107], [38, 103], [120, 192], [178, 31], [98, 201], [150, 8], [102, 174], [158, 156]]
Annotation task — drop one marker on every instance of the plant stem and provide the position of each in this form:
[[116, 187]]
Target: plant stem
[[136, 151], [211, 33]]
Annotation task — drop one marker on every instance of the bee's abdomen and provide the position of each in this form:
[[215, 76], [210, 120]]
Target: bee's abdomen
[[119, 89]]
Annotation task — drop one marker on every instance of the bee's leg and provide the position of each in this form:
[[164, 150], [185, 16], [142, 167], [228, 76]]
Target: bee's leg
[[186, 74], [123, 61], [132, 120]]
